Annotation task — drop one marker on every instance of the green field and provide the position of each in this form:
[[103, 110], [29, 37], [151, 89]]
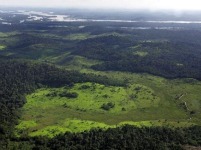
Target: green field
[[146, 101]]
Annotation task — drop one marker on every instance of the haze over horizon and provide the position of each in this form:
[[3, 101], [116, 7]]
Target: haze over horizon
[[108, 4]]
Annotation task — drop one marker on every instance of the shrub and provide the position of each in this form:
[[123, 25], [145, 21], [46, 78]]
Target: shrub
[[68, 94], [107, 106]]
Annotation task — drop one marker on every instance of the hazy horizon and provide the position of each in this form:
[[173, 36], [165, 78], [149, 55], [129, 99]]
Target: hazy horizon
[[176, 5]]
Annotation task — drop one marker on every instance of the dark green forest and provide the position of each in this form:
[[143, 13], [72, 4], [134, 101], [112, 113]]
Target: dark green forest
[[127, 137]]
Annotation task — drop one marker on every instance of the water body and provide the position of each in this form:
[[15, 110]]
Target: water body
[[6, 23], [51, 16], [147, 28]]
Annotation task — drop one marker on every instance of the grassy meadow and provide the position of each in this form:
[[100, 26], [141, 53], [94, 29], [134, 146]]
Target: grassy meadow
[[146, 101]]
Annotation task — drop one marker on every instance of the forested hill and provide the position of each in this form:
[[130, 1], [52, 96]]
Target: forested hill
[[169, 59]]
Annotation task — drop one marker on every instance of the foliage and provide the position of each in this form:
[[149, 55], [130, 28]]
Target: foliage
[[61, 94], [108, 106], [128, 137]]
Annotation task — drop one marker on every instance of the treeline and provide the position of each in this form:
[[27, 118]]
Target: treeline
[[18, 78], [126, 137]]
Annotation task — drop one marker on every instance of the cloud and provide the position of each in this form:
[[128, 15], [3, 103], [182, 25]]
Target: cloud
[[124, 4]]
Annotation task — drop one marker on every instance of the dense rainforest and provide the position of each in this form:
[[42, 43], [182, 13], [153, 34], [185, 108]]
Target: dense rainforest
[[127, 137], [163, 58]]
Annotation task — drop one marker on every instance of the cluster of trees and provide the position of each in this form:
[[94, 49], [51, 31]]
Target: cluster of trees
[[68, 94], [126, 137], [103, 48], [107, 106], [63, 94]]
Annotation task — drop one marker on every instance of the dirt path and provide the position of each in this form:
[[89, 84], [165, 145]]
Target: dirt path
[[185, 103]]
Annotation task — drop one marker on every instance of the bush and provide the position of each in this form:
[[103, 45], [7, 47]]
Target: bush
[[83, 87], [68, 94], [107, 106]]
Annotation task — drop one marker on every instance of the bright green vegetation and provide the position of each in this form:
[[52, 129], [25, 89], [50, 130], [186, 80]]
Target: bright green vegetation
[[92, 96], [69, 125], [148, 101], [2, 47], [26, 124]]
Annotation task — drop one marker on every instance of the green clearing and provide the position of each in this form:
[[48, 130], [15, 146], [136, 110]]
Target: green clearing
[[2, 47], [154, 102], [69, 125], [92, 96]]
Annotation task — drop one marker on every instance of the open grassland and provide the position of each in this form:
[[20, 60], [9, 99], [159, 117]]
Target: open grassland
[[92, 96], [148, 101]]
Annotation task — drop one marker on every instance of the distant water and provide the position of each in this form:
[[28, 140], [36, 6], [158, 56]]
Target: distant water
[[6, 23], [147, 28], [51, 16], [152, 21], [174, 22]]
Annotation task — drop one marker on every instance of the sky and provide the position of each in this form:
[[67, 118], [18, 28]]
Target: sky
[[109, 4]]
